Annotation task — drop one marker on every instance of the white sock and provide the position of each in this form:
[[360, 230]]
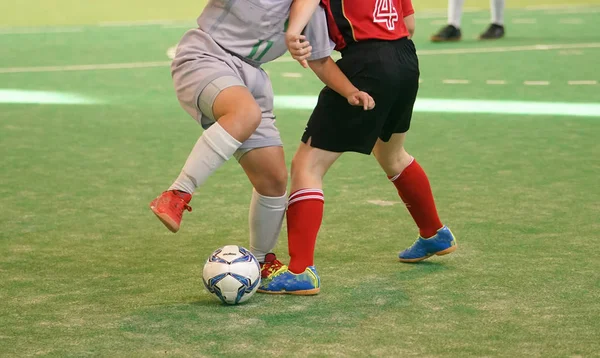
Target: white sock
[[455, 10], [214, 147], [265, 219], [497, 8]]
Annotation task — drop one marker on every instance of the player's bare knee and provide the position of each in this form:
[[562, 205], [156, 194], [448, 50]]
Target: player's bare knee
[[250, 114], [393, 162], [273, 182]]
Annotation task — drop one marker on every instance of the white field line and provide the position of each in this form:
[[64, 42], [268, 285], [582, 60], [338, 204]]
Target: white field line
[[583, 83], [291, 74], [536, 83], [495, 82], [108, 66], [138, 23], [38, 30], [572, 21], [452, 51], [456, 82], [456, 51], [439, 22], [557, 7], [524, 21], [590, 10]]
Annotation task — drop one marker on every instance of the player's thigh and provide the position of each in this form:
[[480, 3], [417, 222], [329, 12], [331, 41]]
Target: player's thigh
[[266, 170], [211, 88], [309, 166]]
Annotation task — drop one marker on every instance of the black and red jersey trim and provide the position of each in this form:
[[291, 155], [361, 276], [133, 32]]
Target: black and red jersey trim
[[341, 21]]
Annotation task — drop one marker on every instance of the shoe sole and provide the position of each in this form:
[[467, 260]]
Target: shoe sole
[[311, 292], [166, 220], [447, 251]]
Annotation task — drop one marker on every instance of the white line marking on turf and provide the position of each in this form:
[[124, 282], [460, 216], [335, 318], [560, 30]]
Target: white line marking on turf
[[524, 21], [108, 66], [291, 74], [469, 106], [455, 51], [39, 30], [495, 82], [439, 22], [137, 23], [42, 97], [583, 83], [536, 83], [570, 52], [556, 7], [589, 10], [571, 21], [541, 47], [456, 82], [179, 26], [382, 202]]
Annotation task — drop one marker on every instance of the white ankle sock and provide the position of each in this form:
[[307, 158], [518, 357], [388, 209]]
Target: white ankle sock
[[497, 9], [455, 10]]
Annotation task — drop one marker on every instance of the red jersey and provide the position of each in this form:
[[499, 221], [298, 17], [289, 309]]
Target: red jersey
[[358, 20]]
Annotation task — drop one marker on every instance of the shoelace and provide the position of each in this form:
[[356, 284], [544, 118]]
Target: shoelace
[[179, 203], [272, 266]]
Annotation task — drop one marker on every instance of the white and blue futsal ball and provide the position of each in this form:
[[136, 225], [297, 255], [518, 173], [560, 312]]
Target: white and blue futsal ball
[[232, 274]]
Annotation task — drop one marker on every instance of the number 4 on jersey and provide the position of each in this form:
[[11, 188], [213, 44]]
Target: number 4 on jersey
[[385, 11]]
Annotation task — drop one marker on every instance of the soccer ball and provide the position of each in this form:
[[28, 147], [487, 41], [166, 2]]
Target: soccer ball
[[232, 274]]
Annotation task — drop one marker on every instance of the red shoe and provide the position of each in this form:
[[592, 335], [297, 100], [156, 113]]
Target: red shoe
[[169, 207], [270, 265]]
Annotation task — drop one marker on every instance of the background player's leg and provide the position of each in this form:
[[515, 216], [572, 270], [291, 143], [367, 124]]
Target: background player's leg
[[411, 181], [451, 32], [497, 10], [455, 10], [496, 28], [267, 172], [305, 208]]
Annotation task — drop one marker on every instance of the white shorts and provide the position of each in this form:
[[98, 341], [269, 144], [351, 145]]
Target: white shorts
[[202, 69]]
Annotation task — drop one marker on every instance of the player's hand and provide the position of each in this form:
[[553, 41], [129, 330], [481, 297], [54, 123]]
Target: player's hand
[[360, 98], [299, 48]]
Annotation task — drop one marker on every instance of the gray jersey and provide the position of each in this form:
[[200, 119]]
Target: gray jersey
[[254, 30]]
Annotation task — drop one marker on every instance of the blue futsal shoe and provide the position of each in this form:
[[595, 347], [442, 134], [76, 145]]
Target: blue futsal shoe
[[442, 243], [284, 281]]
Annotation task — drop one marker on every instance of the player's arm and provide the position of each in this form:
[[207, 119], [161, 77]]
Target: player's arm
[[329, 72], [409, 16], [300, 14], [409, 21]]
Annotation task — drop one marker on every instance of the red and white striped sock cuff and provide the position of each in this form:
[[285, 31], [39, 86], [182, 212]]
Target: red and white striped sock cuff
[[306, 194]]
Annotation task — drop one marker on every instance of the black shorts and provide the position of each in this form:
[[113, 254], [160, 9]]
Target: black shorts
[[389, 72]]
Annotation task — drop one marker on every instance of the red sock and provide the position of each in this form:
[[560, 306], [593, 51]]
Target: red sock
[[415, 191], [304, 216]]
